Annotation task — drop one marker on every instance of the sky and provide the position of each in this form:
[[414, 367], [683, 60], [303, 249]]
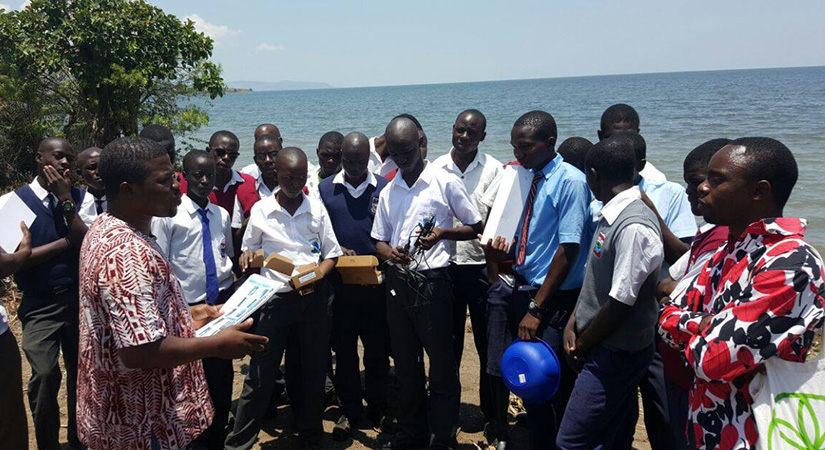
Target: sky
[[380, 42]]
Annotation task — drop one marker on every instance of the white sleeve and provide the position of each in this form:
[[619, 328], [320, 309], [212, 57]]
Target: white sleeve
[[680, 267], [88, 209], [639, 251], [253, 236], [488, 197], [237, 214], [226, 225], [381, 226], [463, 207], [329, 243], [162, 230]]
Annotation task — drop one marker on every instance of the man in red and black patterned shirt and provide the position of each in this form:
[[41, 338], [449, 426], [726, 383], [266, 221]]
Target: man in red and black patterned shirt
[[140, 379], [760, 296]]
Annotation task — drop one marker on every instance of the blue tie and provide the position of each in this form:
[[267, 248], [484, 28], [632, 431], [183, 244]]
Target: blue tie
[[209, 260]]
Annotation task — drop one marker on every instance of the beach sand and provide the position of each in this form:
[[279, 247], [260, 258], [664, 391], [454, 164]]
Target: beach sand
[[277, 433]]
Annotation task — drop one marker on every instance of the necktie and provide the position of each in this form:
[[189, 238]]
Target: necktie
[[528, 213], [209, 260], [59, 220], [99, 205]]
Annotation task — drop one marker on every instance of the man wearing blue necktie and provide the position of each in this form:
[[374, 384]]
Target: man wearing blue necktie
[[197, 242]]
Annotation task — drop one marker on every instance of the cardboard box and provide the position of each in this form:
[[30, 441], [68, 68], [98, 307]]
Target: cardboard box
[[509, 204], [360, 270], [305, 277], [257, 260], [280, 264]]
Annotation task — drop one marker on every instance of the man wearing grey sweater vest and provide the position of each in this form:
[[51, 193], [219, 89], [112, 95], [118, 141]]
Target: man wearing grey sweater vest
[[609, 337]]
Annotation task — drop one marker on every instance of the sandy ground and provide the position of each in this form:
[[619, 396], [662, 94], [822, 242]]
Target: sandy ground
[[277, 433]]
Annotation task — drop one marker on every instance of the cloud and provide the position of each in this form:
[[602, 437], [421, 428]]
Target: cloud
[[216, 32], [264, 47], [22, 6], [5, 7]]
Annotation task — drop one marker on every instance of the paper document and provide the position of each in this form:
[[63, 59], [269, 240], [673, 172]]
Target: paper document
[[252, 294], [509, 203], [12, 212]]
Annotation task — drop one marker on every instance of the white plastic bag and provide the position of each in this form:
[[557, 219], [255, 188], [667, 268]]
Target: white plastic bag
[[789, 404]]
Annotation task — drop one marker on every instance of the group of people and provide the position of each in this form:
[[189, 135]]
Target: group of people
[[607, 266]]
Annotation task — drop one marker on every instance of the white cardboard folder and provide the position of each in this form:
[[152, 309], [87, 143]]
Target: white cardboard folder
[[509, 203], [13, 211]]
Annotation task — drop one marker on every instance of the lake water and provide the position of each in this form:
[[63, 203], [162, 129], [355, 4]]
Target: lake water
[[678, 111]]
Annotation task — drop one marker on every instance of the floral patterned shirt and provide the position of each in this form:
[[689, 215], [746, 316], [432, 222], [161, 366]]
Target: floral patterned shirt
[[764, 296], [129, 296]]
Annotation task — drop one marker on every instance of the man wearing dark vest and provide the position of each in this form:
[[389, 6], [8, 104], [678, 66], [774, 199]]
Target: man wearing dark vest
[[48, 279], [609, 336], [351, 198]]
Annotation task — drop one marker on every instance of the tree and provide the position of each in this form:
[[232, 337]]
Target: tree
[[94, 70]]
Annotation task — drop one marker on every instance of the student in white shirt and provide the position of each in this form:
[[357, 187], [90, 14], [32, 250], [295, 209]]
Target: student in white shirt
[[264, 129], [197, 241], [419, 292], [266, 149], [294, 225], [477, 170], [95, 204]]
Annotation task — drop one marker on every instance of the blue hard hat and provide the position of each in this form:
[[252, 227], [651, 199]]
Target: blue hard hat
[[531, 370]]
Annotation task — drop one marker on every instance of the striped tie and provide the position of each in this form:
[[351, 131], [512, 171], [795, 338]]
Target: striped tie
[[528, 214]]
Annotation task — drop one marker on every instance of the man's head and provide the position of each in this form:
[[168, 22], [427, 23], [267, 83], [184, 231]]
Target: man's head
[[199, 171], [619, 117], [748, 180], [609, 163], [533, 138], [163, 136], [268, 129], [55, 152], [469, 130], [329, 153], [574, 150], [637, 142], [266, 152], [138, 176], [225, 147], [291, 165], [355, 155], [422, 136], [87, 165], [695, 169], [403, 143]]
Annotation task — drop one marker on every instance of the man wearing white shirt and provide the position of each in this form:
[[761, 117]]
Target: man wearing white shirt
[[266, 150], [294, 225], [197, 241], [609, 336], [426, 200], [477, 170], [95, 204]]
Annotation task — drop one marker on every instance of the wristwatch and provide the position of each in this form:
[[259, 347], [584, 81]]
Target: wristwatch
[[67, 206], [535, 310]]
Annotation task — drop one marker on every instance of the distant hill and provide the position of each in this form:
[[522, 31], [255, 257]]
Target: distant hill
[[285, 85]]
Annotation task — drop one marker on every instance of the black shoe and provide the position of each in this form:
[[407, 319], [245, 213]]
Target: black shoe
[[405, 443], [386, 423], [342, 430]]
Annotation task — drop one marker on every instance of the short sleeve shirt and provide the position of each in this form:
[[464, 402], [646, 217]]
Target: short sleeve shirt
[[129, 296]]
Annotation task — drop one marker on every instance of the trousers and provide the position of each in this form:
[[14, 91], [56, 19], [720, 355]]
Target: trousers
[[419, 314], [14, 431], [50, 326]]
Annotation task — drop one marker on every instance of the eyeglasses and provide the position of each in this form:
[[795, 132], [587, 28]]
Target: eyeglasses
[[265, 156], [220, 153]]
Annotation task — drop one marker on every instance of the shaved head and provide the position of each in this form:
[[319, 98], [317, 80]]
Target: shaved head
[[267, 129], [291, 165], [355, 155], [356, 144], [87, 154], [401, 130], [404, 144], [51, 144]]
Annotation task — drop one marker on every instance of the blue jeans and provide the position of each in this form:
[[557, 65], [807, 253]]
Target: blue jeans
[[603, 407]]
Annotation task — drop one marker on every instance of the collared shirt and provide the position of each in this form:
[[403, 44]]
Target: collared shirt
[[263, 189], [671, 202], [764, 293], [180, 239], [304, 237], [639, 250], [87, 211], [355, 191], [560, 216], [401, 208], [251, 169], [476, 178], [129, 296], [652, 174], [237, 209]]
